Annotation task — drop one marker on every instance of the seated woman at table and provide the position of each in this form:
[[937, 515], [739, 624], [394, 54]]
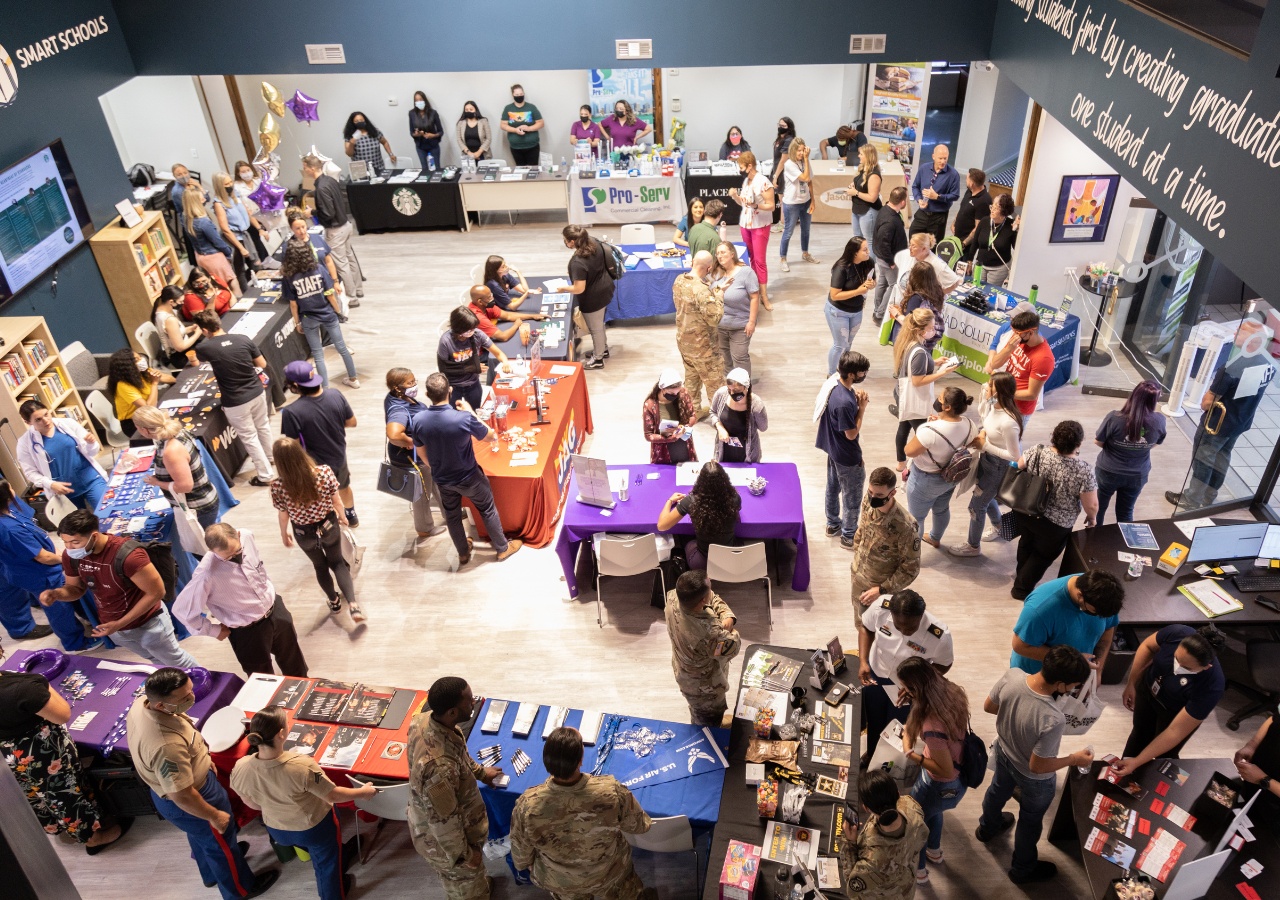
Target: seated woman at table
[[361, 140], [1258, 762], [1175, 682], [178, 468], [132, 383], [59, 455], [922, 289], [734, 144], [692, 217], [712, 505], [400, 405], [34, 741], [585, 130], [205, 291], [296, 799], [176, 338], [669, 402], [738, 417], [508, 286]]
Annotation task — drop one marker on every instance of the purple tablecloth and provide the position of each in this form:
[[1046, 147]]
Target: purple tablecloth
[[778, 513], [222, 691]]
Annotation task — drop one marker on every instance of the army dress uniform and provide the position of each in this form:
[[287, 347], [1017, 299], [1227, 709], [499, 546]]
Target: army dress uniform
[[571, 837], [886, 549], [701, 649], [446, 813], [876, 867], [698, 312], [889, 649]]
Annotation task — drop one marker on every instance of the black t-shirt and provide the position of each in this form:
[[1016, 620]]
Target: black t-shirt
[[232, 356], [972, 208], [688, 507], [22, 696], [591, 269], [319, 423], [993, 244], [735, 422], [846, 278]]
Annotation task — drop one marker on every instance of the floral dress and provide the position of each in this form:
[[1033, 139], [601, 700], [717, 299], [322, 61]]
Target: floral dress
[[43, 758]]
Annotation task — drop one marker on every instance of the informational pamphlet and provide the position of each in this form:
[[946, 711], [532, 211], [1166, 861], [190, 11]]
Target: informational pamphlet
[[1110, 848], [784, 843], [1161, 855], [1114, 815]]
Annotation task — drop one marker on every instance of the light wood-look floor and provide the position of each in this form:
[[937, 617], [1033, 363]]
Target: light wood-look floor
[[510, 628]]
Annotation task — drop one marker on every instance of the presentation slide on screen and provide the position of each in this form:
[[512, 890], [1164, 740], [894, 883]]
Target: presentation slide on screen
[[37, 226]]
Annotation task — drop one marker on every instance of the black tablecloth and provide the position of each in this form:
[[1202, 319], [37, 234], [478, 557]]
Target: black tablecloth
[[717, 186], [280, 342], [205, 419], [513, 348], [374, 206]]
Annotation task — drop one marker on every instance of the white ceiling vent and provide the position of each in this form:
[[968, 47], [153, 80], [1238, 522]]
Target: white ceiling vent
[[634, 49], [866, 43], [326, 54]]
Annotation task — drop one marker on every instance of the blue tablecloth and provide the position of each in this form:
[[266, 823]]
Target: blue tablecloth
[[644, 292], [661, 782]]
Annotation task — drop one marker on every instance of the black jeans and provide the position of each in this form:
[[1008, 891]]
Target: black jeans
[[526, 157], [935, 223], [472, 393], [477, 490], [879, 711], [322, 543], [273, 634], [904, 434], [1039, 545], [1150, 718]]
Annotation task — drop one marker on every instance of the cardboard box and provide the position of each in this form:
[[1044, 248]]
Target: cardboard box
[[741, 868], [755, 773], [1172, 558]]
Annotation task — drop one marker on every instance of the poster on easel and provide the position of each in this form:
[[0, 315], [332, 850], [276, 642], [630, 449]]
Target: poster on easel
[[895, 111]]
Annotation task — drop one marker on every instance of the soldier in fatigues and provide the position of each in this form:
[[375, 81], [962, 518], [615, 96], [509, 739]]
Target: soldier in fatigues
[[886, 546], [698, 312], [703, 641], [569, 829], [879, 863], [446, 814]]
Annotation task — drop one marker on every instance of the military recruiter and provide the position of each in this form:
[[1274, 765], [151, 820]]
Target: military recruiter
[[878, 860], [698, 312], [446, 814], [172, 759], [569, 829], [886, 548], [703, 641]]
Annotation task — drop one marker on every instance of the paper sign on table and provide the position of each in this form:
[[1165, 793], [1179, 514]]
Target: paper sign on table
[[563, 370]]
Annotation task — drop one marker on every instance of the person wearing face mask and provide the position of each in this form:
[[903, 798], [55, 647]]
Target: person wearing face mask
[[698, 314], [930, 451], [245, 183], [236, 362], [734, 144], [1174, 683], [232, 586], [994, 239], [852, 278], [624, 128], [232, 218], [781, 146], [300, 228], [332, 215], [447, 818], [172, 759], [670, 403], [473, 132], [1001, 447], [460, 352], [361, 140], [738, 416], [204, 291], [399, 406], [426, 131], [1081, 611], [585, 129], [522, 121], [1028, 357], [1029, 726], [839, 411], [131, 383], [181, 177], [757, 200], [306, 286], [213, 253], [886, 548]]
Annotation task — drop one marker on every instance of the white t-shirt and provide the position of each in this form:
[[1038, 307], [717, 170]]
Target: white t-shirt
[[795, 190], [934, 435], [1002, 432], [931, 640], [752, 191], [946, 277]]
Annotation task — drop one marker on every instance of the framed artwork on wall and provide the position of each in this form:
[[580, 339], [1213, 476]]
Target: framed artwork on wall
[[1085, 204]]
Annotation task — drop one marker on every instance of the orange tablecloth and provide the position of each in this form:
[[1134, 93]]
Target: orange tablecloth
[[531, 498]]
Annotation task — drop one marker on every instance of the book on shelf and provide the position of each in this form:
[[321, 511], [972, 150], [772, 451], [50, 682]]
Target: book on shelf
[[167, 269], [13, 370], [156, 238], [36, 352], [152, 277], [70, 412]]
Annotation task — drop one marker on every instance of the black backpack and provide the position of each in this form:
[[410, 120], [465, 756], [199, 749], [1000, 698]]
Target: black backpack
[[142, 175], [973, 768], [161, 555], [614, 261]]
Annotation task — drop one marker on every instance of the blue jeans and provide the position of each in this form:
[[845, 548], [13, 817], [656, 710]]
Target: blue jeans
[[928, 491], [217, 856], [1210, 460], [1126, 489], [844, 482], [935, 798], [991, 469], [844, 326], [864, 226], [311, 327], [324, 842], [154, 640], [790, 213], [1037, 796], [422, 157]]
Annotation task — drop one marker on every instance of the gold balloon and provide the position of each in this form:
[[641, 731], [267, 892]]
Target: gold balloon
[[269, 132], [275, 102]]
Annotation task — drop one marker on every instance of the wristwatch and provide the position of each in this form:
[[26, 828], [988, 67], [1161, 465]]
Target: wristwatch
[[1264, 783]]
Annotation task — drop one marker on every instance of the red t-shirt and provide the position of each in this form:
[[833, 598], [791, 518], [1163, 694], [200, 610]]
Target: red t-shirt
[[114, 597], [1027, 363], [193, 303], [488, 317]]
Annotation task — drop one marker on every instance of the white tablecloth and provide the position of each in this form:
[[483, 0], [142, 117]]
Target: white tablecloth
[[644, 198]]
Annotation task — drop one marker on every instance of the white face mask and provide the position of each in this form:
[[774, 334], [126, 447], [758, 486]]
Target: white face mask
[[1179, 669], [142, 365], [246, 176], [420, 104]]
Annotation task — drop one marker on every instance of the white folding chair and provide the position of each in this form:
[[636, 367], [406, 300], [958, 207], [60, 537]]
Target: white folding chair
[[149, 337], [637, 234], [477, 273], [100, 408], [670, 835], [738, 565], [625, 556], [389, 804]]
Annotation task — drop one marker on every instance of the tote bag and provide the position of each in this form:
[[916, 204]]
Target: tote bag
[[1025, 490], [185, 523], [913, 402], [1083, 707], [398, 481]]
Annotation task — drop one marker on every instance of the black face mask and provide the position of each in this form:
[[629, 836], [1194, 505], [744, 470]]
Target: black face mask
[[518, 98], [584, 119], [672, 397], [1057, 694], [237, 558], [782, 129], [876, 502], [739, 396], [620, 114], [471, 114], [858, 379], [359, 124]]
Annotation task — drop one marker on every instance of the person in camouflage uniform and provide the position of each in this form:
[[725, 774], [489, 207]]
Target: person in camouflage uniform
[[446, 815], [698, 312], [886, 546], [569, 829], [703, 641], [879, 862]]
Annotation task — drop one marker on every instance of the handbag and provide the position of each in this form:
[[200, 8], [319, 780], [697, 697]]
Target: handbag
[[913, 402], [1083, 707], [1009, 530], [185, 523], [352, 552], [1024, 490], [399, 481]]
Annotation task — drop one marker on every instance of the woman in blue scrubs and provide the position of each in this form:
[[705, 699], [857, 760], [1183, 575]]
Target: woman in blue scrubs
[[57, 455]]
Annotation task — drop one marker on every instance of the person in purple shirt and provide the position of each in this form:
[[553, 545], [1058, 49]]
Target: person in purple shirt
[[623, 128], [585, 130]]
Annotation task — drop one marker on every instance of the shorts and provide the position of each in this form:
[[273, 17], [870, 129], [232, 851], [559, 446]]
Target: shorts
[[343, 474]]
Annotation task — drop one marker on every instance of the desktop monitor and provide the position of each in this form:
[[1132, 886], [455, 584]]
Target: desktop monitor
[[1219, 542]]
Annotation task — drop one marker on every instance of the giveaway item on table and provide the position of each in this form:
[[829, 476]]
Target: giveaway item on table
[[1134, 886], [835, 723], [489, 756], [785, 843], [791, 804], [740, 870], [493, 717], [831, 753], [306, 739], [325, 702], [1110, 848], [1114, 815], [764, 723], [290, 693], [520, 761], [783, 753], [832, 787], [1160, 855], [767, 798], [343, 751]]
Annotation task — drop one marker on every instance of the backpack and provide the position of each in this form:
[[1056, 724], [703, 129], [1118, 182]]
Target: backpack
[[614, 261], [973, 768], [950, 250], [958, 464], [141, 175], [160, 553]]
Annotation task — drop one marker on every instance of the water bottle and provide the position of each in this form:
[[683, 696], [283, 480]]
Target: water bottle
[[564, 163], [797, 892], [1084, 770], [431, 162], [1035, 289], [782, 883], [977, 274]]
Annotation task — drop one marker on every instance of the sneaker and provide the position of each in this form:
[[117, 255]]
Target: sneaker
[[94, 644], [932, 541], [934, 856], [833, 530], [783, 265], [422, 540], [512, 547], [846, 542], [39, 631], [991, 534], [1042, 871], [922, 876], [776, 229], [464, 558], [606, 353], [357, 614], [810, 258], [593, 362], [353, 303], [964, 550], [260, 482], [352, 519], [352, 383], [1007, 821]]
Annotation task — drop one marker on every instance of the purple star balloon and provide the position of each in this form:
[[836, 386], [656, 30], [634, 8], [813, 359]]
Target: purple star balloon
[[269, 197], [303, 107]]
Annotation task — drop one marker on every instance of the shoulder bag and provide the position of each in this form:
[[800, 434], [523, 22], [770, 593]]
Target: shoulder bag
[[913, 402], [1083, 707], [1025, 490], [398, 481], [187, 525]]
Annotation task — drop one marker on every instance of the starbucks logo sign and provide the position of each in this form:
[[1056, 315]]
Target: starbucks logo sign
[[406, 202]]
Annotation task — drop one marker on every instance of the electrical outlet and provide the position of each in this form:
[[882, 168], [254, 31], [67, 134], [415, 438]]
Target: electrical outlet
[[673, 72], [675, 104], [195, 154], [392, 101]]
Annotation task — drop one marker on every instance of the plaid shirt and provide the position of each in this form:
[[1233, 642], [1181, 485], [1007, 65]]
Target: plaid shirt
[[235, 594], [309, 513]]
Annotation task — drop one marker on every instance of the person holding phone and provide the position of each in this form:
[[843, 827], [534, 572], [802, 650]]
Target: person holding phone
[[738, 416], [878, 856], [669, 417]]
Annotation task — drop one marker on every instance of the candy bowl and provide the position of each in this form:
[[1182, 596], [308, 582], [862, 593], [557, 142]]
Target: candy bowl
[[757, 485]]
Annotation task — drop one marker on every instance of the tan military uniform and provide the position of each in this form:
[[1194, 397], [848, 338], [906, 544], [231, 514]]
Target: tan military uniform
[[701, 649], [571, 838], [446, 815], [876, 867], [168, 752], [886, 549], [291, 790], [698, 312]]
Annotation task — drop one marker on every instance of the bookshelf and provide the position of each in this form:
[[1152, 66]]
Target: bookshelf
[[30, 366], [136, 264]]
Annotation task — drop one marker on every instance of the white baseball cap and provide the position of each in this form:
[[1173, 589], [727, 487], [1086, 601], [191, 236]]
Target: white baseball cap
[[739, 375], [670, 378]]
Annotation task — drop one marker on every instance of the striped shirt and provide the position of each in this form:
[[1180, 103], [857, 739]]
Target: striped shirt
[[309, 513], [202, 495], [236, 594]]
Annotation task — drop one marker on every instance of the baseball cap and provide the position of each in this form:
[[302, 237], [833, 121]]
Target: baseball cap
[[669, 378], [739, 375], [302, 373]]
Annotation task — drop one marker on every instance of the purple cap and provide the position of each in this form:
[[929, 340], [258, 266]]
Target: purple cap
[[302, 373]]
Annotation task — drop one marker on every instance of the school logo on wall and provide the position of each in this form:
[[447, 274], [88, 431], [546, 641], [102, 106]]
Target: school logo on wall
[[592, 196], [8, 79], [43, 49], [406, 202]]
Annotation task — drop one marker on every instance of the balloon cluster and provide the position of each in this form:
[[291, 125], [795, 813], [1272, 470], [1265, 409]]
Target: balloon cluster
[[270, 196]]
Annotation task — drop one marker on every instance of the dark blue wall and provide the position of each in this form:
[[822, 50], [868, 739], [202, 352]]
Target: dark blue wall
[[1040, 62], [58, 98], [437, 36]]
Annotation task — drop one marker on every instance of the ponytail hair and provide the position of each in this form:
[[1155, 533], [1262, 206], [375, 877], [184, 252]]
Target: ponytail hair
[[265, 725], [1205, 645]]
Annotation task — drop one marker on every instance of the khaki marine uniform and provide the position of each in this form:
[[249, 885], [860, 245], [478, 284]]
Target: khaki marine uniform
[[446, 814], [886, 549], [701, 673], [571, 838], [698, 312], [875, 867]]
